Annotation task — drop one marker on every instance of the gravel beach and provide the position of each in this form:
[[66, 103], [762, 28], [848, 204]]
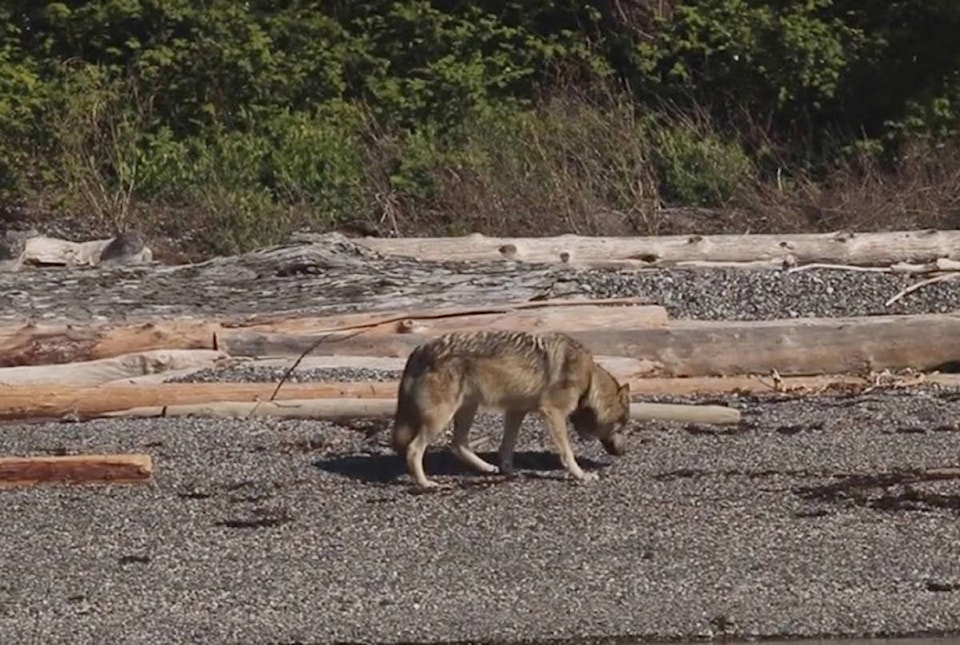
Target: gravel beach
[[810, 519], [819, 516]]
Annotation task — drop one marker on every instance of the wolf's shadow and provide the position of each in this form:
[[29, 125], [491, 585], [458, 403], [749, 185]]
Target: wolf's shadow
[[388, 467]]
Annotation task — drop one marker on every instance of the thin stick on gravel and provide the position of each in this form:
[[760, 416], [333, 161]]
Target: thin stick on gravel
[[837, 267], [309, 349], [923, 283]]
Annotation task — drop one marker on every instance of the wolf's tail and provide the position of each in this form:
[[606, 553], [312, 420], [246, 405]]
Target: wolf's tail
[[404, 429]]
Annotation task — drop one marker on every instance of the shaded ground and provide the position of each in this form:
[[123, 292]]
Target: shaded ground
[[813, 518]]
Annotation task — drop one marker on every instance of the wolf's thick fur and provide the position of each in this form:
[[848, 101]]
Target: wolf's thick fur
[[452, 376]]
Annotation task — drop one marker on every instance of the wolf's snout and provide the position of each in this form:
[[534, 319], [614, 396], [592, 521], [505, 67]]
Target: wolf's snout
[[614, 445]]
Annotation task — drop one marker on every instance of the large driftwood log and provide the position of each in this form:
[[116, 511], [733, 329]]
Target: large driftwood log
[[792, 347], [41, 344], [55, 402], [157, 362], [622, 367], [75, 469], [37, 344], [384, 409], [862, 249], [801, 346]]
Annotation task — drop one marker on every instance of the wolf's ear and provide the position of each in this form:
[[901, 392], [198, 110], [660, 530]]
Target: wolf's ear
[[624, 390]]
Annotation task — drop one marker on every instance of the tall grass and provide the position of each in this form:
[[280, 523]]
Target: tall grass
[[571, 164]]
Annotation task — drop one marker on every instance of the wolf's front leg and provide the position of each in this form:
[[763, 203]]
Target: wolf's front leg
[[558, 429], [459, 446]]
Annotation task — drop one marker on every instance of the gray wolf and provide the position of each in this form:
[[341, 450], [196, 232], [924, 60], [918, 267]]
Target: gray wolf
[[452, 376]]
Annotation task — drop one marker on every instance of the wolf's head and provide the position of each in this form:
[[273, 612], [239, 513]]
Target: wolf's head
[[603, 413]]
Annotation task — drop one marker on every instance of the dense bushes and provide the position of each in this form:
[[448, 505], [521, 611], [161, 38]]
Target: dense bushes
[[238, 121]]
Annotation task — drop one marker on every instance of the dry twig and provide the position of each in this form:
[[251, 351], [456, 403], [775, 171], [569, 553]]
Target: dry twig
[[919, 285]]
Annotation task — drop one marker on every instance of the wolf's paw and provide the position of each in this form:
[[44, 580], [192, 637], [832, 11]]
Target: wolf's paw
[[588, 477]]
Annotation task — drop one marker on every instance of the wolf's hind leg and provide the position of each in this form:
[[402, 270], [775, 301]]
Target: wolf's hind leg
[[462, 421], [511, 428], [431, 426]]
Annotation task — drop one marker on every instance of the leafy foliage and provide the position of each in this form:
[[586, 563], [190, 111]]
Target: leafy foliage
[[315, 112]]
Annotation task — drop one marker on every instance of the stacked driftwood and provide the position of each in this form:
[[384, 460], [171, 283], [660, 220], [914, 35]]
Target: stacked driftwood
[[99, 369]]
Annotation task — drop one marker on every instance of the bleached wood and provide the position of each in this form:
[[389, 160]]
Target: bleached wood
[[75, 469], [862, 249], [51, 402], [801, 346], [37, 344], [46, 343], [158, 362], [55, 251], [290, 408], [384, 408], [52, 251], [793, 347], [620, 366]]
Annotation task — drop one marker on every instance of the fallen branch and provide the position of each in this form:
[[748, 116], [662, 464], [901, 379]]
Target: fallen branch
[[75, 469], [921, 285], [862, 249], [384, 408], [839, 267]]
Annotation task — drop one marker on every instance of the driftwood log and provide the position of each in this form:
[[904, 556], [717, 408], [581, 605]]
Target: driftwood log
[[159, 362], [75, 469], [794, 347], [43, 250], [54, 402], [859, 249], [384, 408], [37, 344]]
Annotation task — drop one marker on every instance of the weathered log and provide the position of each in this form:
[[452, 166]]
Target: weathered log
[[57, 401], [621, 366], [290, 408], [153, 362], [40, 344], [796, 346], [75, 469], [53, 402], [399, 337], [55, 251], [37, 344], [384, 408], [870, 249], [792, 347]]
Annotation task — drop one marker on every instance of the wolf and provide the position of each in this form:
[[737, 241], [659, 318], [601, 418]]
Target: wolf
[[453, 375]]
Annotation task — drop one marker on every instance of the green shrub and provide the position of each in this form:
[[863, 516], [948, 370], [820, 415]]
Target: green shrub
[[698, 168]]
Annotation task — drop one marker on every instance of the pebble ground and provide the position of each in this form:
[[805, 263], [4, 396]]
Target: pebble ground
[[812, 518]]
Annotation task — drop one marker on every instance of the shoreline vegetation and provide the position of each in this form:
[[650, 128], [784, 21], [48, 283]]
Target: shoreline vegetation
[[226, 127]]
